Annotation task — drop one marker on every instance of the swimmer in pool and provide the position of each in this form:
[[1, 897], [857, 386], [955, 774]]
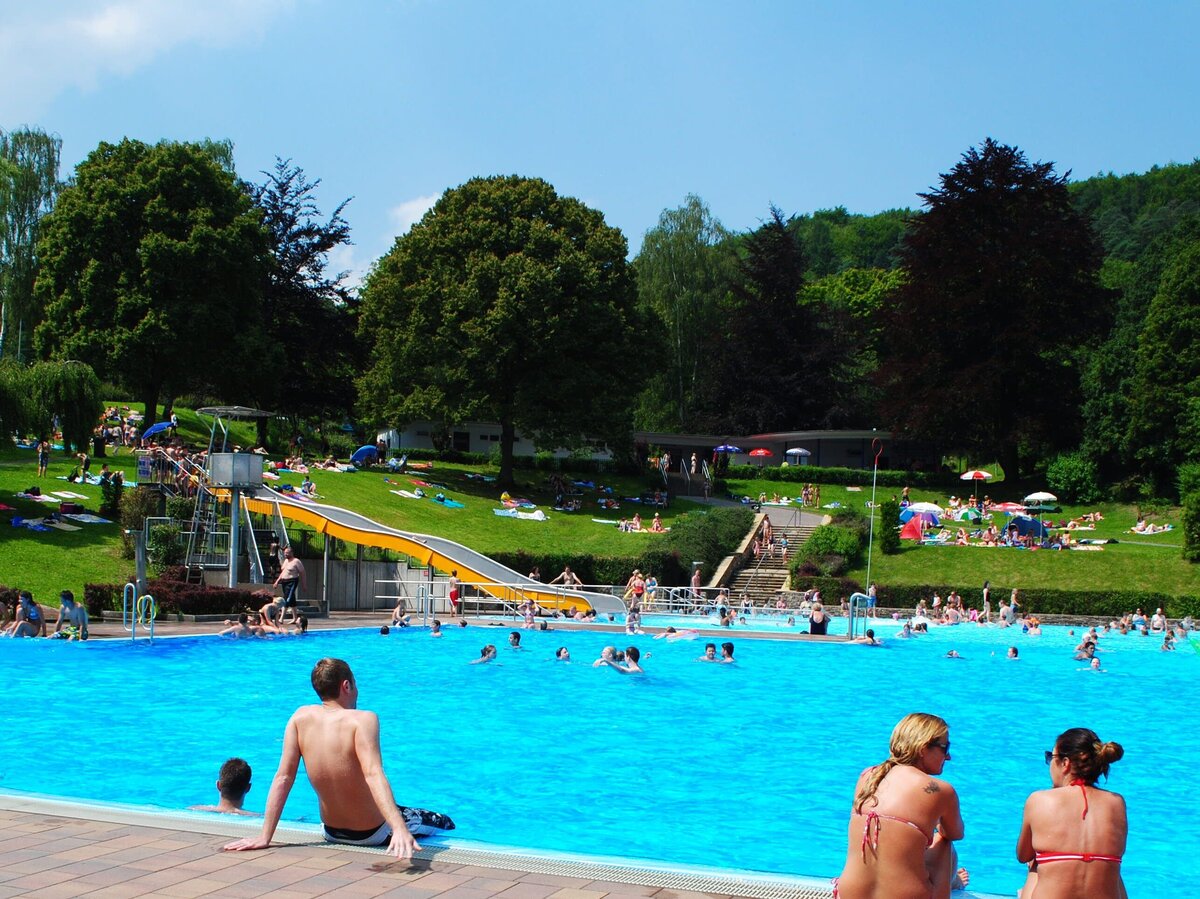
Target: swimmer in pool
[[339, 745], [727, 653], [1013, 653], [242, 629], [710, 653], [233, 783], [562, 654], [435, 629], [514, 641], [607, 655], [632, 659], [485, 655]]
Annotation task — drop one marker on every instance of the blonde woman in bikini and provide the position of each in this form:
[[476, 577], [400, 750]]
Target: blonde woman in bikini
[[904, 820], [1073, 835]]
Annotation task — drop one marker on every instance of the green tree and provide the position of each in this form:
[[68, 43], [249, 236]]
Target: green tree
[[1000, 302], [28, 185], [1165, 399], [684, 273], [506, 303], [769, 357], [310, 355], [69, 391], [151, 270]]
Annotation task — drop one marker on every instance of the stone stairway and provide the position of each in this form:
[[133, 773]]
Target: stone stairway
[[762, 580]]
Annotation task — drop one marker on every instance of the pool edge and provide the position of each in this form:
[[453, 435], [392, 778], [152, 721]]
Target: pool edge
[[640, 872]]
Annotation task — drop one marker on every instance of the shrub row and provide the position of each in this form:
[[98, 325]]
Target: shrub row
[[174, 597], [832, 588], [1050, 601], [804, 474]]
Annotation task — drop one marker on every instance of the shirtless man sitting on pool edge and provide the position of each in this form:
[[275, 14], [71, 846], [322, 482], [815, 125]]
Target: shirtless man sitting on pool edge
[[340, 748]]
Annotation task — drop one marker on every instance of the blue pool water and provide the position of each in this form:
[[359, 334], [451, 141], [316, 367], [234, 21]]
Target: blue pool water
[[748, 766]]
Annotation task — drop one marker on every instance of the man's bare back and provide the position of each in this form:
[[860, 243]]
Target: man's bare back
[[340, 748], [328, 737]]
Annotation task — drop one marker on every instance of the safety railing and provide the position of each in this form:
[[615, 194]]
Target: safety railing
[[138, 611], [252, 552], [858, 601]]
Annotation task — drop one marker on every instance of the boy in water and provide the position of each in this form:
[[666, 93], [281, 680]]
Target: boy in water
[[233, 783]]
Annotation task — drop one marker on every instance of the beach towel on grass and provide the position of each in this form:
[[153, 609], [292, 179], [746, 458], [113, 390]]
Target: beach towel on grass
[[88, 518], [38, 499], [539, 515], [61, 526], [67, 494]]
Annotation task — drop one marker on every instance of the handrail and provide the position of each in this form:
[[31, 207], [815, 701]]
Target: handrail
[[856, 600], [138, 610], [252, 551]]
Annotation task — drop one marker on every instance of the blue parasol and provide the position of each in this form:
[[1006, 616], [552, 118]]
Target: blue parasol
[[156, 429], [727, 448]]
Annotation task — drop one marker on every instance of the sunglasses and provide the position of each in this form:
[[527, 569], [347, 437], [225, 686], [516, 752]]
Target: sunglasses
[[945, 747], [1050, 755]]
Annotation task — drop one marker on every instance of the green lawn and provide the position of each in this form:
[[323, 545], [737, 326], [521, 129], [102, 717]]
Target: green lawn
[[51, 561], [47, 562], [1136, 562]]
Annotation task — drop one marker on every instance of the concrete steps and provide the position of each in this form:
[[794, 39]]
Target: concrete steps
[[762, 580]]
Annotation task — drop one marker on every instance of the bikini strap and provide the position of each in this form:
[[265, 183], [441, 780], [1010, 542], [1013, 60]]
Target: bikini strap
[[1079, 782]]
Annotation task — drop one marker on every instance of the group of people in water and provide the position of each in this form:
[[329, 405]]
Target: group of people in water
[[904, 821]]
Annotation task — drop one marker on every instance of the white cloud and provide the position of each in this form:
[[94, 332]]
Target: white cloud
[[49, 48], [408, 213]]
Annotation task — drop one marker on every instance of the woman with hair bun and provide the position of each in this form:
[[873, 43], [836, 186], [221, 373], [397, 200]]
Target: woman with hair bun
[[903, 821], [1073, 839]]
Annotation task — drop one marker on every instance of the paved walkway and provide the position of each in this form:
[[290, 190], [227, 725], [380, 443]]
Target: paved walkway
[[54, 857]]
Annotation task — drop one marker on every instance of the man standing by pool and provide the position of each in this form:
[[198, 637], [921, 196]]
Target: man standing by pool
[[340, 748], [291, 580]]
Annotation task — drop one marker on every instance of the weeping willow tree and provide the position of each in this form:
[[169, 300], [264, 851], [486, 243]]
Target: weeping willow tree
[[29, 159], [69, 391], [13, 408]]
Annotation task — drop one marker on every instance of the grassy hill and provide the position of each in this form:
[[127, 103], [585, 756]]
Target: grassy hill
[[47, 562]]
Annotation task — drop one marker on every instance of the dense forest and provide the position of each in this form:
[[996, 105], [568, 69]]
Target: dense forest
[[1011, 314]]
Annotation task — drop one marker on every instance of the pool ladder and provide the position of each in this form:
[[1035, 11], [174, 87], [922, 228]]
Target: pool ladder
[[138, 610]]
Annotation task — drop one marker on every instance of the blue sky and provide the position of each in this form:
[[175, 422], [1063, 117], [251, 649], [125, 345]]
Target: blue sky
[[627, 105]]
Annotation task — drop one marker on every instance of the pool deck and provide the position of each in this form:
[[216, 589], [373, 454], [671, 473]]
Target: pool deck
[[55, 849]]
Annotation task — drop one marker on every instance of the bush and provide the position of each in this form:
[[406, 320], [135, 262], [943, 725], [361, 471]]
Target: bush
[[99, 598], [136, 506], [164, 547], [173, 597], [831, 548], [889, 534], [110, 498], [1191, 526], [181, 508], [1074, 478], [803, 474], [1187, 479], [1048, 601], [833, 589]]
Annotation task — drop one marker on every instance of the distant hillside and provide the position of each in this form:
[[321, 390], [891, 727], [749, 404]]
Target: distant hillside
[[1129, 211]]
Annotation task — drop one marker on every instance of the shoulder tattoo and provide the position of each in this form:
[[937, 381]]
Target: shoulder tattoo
[[932, 787]]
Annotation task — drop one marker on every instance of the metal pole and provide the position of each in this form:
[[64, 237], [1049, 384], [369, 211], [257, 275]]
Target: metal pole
[[877, 445], [235, 511], [325, 575]]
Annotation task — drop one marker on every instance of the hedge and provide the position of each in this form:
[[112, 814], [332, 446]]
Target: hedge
[[833, 589], [174, 597], [803, 474], [1049, 601]]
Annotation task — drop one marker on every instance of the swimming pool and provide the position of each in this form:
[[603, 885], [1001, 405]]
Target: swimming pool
[[749, 766]]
